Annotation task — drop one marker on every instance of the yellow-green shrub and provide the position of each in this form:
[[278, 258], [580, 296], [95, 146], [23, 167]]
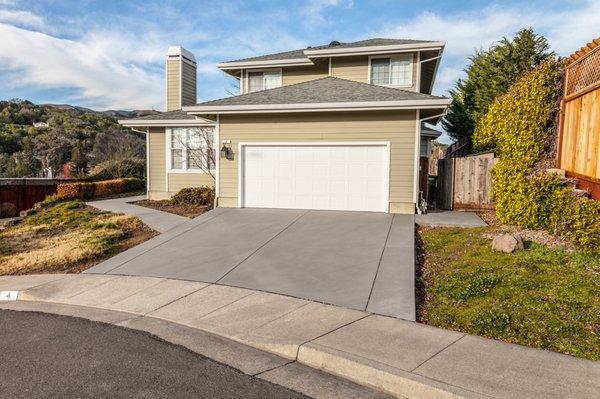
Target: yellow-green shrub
[[520, 126]]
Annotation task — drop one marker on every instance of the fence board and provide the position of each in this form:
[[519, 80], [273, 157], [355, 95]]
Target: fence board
[[465, 183]]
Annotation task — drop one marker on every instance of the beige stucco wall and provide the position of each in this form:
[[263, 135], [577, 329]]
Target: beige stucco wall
[[158, 177], [398, 127]]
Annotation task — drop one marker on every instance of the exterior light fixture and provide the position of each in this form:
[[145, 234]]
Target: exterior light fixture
[[226, 150]]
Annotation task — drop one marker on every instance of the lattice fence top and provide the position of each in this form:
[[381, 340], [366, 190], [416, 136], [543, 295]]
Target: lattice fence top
[[583, 74]]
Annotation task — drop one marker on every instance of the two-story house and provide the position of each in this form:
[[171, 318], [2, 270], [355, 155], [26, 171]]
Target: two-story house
[[335, 127]]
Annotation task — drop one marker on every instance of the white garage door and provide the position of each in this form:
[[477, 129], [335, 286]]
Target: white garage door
[[311, 176]]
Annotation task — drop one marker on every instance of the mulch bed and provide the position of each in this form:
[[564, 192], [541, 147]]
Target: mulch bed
[[187, 210]]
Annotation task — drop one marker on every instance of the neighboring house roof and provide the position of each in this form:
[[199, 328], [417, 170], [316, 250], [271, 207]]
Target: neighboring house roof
[[429, 132], [585, 50], [327, 93], [301, 52], [171, 118]]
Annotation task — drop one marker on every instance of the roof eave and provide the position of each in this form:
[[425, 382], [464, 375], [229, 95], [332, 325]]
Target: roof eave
[[164, 122], [319, 107], [387, 49], [227, 66]]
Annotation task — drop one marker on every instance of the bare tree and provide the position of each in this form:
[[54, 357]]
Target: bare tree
[[196, 148]]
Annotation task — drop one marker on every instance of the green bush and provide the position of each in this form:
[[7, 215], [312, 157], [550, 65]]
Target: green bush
[[194, 196], [521, 127], [113, 169]]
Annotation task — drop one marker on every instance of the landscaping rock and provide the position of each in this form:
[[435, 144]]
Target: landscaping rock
[[507, 243]]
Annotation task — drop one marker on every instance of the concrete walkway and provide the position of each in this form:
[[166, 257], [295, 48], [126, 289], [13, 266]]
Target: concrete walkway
[[402, 358], [156, 220], [450, 219]]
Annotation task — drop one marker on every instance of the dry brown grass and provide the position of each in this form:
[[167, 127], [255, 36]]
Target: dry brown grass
[[67, 237]]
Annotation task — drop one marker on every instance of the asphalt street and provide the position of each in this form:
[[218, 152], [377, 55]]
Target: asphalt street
[[49, 356]]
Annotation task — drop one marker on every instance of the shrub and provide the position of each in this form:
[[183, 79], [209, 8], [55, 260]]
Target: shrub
[[113, 169], [521, 127], [8, 210], [194, 196], [89, 190], [50, 200]]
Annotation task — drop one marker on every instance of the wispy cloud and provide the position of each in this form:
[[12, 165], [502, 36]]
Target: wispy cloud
[[21, 18], [566, 29]]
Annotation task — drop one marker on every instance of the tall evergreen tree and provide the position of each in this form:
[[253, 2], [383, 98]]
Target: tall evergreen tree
[[489, 74]]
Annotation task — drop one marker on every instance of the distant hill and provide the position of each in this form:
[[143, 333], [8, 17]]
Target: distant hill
[[119, 114], [65, 137]]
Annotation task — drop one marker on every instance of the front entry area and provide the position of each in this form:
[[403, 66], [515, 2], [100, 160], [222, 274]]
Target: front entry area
[[321, 176]]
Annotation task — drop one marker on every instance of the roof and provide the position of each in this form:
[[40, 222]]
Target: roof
[[429, 132], [170, 118], [294, 54], [171, 115], [324, 90], [585, 50]]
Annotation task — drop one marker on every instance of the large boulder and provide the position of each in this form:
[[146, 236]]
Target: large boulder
[[507, 243]]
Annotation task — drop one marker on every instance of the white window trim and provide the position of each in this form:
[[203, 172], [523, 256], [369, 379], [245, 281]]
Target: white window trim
[[412, 63], [247, 71], [244, 144], [169, 159]]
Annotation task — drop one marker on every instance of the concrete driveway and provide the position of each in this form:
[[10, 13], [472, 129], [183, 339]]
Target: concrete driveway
[[359, 260]]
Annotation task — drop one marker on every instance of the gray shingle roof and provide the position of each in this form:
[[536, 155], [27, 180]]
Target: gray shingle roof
[[164, 116], [300, 53], [324, 90]]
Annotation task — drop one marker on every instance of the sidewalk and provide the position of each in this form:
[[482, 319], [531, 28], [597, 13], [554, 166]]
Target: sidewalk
[[399, 357], [156, 220]]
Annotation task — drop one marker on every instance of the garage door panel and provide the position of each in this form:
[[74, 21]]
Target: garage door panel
[[333, 177]]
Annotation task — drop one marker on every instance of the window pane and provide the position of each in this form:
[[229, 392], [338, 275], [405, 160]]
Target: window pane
[[272, 80], [177, 159], [194, 138], [380, 71], [177, 138], [195, 159], [255, 81], [401, 71]]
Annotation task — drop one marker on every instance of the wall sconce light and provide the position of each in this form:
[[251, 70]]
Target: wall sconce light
[[226, 151]]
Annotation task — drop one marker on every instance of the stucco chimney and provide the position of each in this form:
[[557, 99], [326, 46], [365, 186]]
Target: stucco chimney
[[181, 78]]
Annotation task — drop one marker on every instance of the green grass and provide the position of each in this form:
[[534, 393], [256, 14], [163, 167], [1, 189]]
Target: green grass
[[539, 297]]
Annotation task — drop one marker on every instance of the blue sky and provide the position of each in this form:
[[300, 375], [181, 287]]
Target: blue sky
[[110, 54]]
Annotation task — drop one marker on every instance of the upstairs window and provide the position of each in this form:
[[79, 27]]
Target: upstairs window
[[263, 80], [192, 149], [392, 71]]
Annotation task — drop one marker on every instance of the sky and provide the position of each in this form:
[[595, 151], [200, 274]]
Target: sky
[[110, 54]]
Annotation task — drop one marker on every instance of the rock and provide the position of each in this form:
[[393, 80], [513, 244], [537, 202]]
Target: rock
[[507, 243]]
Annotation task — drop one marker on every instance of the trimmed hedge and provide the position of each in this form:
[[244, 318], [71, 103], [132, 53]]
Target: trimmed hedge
[[89, 190], [521, 127], [194, 196]]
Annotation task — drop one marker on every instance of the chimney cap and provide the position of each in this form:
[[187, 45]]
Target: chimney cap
[[174, 51]]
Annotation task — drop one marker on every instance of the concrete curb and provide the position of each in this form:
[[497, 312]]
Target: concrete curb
[[401, 358]]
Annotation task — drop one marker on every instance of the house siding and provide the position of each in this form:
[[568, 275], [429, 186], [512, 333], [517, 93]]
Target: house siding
[[293, 75], [173, 85], [357, 68], [397, 127], [188, 80], [158, 176]]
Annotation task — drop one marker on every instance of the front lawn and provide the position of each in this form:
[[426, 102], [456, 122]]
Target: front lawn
[[540, 297], [67, 237]]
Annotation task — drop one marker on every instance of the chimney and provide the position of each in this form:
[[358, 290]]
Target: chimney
[[181, 78]]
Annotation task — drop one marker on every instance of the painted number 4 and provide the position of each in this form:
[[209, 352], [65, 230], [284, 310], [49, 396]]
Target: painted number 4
[[8, 295]]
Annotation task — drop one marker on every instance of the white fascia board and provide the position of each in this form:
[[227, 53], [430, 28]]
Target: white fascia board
[[165, 122], [344, 51], [224, 66], [345, 106]]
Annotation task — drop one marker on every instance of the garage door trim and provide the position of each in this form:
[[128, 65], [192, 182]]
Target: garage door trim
[[382, 143]]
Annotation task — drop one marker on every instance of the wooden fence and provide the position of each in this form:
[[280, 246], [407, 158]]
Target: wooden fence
[[465, 183], [579, 143], [24, 193]]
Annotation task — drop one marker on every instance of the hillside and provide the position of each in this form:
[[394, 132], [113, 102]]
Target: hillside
[[75, 141]]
